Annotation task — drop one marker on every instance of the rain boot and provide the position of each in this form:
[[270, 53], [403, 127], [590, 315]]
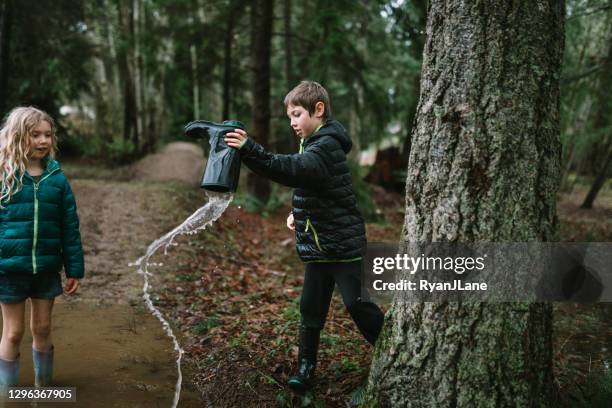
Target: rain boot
[[9, 374], [223, 164], [43, 367], [307, 359]]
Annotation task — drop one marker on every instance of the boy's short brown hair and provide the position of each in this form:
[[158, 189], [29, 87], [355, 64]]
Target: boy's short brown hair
[[306, 95]]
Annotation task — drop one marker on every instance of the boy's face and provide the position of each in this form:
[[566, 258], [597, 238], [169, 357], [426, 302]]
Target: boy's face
[[302, 123]]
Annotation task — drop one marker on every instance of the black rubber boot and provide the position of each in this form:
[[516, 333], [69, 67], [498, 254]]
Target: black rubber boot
[[223, 164], [307, 360]]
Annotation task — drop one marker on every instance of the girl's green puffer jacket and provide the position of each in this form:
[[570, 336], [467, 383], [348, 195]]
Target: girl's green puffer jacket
[[39, 227]]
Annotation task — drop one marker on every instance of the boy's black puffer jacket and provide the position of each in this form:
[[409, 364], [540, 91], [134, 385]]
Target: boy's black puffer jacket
[[328, 225]]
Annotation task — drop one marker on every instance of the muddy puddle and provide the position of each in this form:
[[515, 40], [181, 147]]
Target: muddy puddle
[[115, 356], [107, 343]]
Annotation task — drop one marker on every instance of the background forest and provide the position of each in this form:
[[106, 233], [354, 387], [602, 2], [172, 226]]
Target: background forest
[[124, 76]]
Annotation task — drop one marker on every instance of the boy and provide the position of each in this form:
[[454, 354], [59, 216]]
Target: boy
[[330, 233]]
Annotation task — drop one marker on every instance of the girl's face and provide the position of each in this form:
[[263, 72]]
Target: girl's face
[[41, 141]]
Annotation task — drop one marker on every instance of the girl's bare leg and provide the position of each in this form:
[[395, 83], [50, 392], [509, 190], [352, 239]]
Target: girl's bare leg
[[12, 329], [42, 347], [40, 324]]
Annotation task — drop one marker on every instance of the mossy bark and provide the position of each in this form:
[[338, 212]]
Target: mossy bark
[[484, 167]]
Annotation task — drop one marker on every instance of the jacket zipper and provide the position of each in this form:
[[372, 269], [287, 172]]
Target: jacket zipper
[[35, 240], [314, 232], [308, 223]]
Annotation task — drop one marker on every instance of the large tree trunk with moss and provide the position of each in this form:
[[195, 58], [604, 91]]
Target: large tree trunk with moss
[[484, 167]]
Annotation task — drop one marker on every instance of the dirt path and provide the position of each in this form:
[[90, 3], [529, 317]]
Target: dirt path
[[107, 345]]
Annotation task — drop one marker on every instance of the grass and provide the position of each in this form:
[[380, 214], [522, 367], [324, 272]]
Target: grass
[[204, 326]]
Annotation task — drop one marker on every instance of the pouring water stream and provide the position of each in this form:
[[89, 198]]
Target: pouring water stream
[[199, 220]]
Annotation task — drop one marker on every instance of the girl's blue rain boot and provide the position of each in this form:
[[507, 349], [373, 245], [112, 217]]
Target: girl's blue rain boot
[[43, 367], [9, 374]]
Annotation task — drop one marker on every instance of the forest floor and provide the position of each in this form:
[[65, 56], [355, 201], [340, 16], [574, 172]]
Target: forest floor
[[232, 292]]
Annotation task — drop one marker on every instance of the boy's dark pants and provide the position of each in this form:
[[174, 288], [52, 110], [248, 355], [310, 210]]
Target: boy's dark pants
[[318, 288]]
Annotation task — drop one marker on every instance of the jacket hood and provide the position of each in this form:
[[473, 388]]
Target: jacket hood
[[334, 129], [52, 164]]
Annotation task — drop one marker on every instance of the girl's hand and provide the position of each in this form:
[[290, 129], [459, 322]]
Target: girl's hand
[[236, 139], [291, 222], [72, 285]]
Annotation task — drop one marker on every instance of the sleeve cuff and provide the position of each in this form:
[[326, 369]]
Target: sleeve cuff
[[248, 146]]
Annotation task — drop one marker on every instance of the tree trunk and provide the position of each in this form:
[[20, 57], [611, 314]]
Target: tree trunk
[[580, 120], [6, 20], [600, 179], [289, 139], [484, 167], [258, 186], [227, 61], [164, 57], [602, 120], [136, 55], [195, 85], [113, 65], [289, 75], [416, 49], [130, 128]]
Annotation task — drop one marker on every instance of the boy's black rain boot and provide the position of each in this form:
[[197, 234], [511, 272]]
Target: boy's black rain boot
[[43, 367], [307, 359], [9, 375]]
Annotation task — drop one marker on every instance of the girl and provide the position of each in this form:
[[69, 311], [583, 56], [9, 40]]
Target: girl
[[39, 233]]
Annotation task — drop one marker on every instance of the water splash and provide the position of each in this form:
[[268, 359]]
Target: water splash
[[199, 220]]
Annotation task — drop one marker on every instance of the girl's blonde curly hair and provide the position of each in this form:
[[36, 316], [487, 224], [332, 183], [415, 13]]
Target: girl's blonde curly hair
[[15, 147]]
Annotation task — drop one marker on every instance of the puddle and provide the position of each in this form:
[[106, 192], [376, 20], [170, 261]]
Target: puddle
[[115, 356]]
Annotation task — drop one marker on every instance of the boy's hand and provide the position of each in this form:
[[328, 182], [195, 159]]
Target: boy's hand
[[291, 222], [72, 285], [236, 139]]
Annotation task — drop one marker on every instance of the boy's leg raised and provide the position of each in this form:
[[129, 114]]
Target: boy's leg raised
[[367, 315]]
